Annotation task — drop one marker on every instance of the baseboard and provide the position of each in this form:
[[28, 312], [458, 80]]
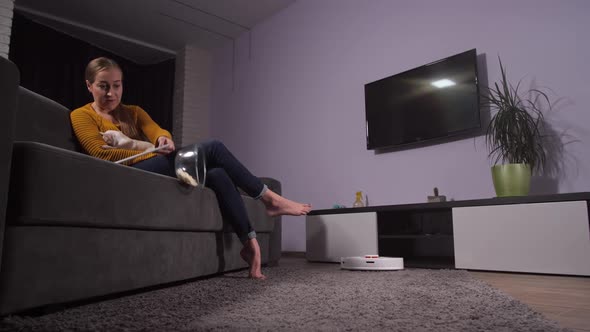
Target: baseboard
[[297, 254]]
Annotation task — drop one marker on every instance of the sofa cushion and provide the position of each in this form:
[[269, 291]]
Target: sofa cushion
[[54, 186], [78, 190]]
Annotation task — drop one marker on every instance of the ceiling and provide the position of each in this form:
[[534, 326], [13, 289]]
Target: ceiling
[[149, 31]]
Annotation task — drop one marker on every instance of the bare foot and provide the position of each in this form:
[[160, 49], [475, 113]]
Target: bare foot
[[278, 205], [251, 254]]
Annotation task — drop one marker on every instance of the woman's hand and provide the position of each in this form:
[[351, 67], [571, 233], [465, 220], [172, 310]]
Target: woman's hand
[[163, 140]]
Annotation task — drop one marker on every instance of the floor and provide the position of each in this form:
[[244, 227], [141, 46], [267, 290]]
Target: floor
[[564, 299]]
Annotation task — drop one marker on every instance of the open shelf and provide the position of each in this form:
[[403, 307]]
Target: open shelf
[[416, 236], [430, 262], [424, 238]]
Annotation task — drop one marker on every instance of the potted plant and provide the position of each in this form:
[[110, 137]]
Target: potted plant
[[514, 135]]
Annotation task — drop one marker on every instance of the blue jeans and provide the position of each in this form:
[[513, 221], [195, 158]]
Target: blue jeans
[[224, 174]]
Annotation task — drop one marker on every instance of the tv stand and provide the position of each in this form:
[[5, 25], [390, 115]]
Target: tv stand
[[536, 234]]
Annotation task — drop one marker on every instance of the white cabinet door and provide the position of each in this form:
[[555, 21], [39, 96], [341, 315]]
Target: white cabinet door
[[332, 236], [538, 237]]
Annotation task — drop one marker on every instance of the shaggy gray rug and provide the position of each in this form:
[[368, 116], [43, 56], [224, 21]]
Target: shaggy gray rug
[[301, 297]]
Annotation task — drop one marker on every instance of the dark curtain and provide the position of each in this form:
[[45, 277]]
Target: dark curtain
[[52, 64]]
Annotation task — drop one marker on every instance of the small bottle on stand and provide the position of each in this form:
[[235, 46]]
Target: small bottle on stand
[[358, 202]]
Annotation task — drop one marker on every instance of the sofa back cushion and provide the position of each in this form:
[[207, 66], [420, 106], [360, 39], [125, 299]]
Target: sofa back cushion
[[40, 119]]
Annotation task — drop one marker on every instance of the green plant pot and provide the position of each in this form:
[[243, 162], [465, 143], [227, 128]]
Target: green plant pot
[[511, 179]]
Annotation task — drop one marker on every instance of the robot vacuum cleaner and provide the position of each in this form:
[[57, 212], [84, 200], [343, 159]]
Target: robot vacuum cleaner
[[372, 263]]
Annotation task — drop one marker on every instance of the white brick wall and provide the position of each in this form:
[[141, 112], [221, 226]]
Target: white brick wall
[[192, 96], [178, 106], [6, 11]]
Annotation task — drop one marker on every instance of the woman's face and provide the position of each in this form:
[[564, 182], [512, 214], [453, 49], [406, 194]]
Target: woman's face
[[107, 88]]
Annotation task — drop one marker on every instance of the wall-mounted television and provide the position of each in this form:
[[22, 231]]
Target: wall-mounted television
[[433, 102]]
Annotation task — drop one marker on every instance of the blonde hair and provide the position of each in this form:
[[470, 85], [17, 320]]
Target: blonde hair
[[120, 114]]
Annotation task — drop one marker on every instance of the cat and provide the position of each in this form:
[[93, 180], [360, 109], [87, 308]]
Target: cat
[[116, 139]]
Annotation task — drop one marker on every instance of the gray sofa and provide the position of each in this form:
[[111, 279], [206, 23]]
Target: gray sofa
[[74, 227]]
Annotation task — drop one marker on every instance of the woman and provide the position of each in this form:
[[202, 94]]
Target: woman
[[104, 80]]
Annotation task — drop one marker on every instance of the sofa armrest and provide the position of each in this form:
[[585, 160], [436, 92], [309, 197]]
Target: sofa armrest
[[9, 81], [275, 244], [272, 184]]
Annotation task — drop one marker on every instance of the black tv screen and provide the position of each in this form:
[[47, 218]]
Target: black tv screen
[[431, 102]]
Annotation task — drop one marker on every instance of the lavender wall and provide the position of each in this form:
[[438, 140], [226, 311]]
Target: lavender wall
[[292, 107]]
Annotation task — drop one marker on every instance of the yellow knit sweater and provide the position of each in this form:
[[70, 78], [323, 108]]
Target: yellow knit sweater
[[87, 124]]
